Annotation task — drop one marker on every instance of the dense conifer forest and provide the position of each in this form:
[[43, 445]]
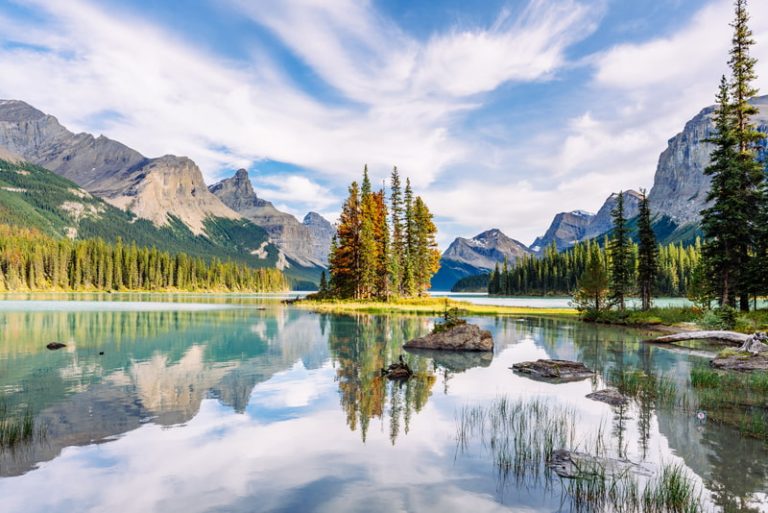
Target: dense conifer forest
[[31, 261]]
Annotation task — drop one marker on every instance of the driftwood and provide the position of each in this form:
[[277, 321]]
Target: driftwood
[[725, 336]]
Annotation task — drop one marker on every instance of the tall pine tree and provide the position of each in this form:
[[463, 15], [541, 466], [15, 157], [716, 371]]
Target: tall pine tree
[[747, 136], [647, 254], [723, 226], [620, 253]]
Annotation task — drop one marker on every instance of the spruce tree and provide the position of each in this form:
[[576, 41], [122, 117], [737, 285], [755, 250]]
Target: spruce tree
[[425, 257], [409, 286], [344, 262], [747, 137], [648, 253], [593, 283], [619, 246], [721, 222], [397, 246]]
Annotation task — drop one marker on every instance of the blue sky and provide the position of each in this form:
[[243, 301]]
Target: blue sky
[[502, 112]]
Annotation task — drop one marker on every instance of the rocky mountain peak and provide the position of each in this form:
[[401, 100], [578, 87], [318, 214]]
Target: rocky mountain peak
[[680, 186], [237, 193], [15, 111], [306, 243], [480, 254]]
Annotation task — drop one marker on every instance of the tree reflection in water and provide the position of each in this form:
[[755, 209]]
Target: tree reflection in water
[[361, 346]]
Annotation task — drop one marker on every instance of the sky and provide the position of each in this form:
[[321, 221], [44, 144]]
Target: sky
[[502, 112]]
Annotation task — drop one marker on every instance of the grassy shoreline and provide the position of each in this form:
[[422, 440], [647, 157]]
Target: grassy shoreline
[[426, 306]]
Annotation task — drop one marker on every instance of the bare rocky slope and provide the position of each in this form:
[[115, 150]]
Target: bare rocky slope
[[156, 189], [680, 186], [307, 243]]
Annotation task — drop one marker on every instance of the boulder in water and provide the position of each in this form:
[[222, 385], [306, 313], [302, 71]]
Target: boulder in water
[[554, 370], [462, 337], [55, 345]]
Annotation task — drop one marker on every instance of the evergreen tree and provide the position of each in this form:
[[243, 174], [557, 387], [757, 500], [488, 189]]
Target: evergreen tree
[[323, 289], [723, 226], [591, 294], [648, 254], [425, 257], [747, 136], [409, 286], [344, 263], [397, 249], [619, 247], [381, 237]]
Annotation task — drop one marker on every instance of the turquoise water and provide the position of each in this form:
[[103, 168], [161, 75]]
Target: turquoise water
[[241, 404]]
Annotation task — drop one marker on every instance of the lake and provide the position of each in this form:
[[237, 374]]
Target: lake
[[241, 404]]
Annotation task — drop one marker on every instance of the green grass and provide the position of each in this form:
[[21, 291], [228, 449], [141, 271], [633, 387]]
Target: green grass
[[667, 316], [426, 306], [15, 429], [639, 385], [736, 399], [522, 435]]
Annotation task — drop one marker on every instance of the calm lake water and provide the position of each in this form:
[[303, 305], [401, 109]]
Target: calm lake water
[[203, 404]]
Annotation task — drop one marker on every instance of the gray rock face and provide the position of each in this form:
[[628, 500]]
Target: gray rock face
[[680, 186], [485, 250], [567, 229], [464, 337], [603, 222], [321, 233], [152, 188], [298, 241]]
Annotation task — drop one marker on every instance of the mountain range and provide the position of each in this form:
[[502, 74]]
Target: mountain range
[[111, 181], [678, 195], [78, 185]]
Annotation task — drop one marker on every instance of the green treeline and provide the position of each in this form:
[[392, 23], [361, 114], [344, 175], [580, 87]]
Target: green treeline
[[554, 273], [32, 261], [382, 251]]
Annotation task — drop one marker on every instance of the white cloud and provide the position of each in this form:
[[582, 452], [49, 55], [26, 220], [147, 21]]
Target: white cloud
[[296, 194], [172, 97], [403, 101]]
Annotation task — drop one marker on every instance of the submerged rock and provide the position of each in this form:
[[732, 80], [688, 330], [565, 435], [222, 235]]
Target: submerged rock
[[463, 337], [556, 370], [573, 464], [610, 396], [55, 345]]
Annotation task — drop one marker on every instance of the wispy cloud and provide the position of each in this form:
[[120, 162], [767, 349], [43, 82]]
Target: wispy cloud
[[397, 99]]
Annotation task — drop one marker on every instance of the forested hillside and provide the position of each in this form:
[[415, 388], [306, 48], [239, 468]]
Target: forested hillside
[[33, 197], [557, 273], [30, 260]]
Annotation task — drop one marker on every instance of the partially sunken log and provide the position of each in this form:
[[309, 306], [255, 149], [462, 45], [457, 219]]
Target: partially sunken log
[[55, 345], [725, 336], [463, 337], [555, 370]]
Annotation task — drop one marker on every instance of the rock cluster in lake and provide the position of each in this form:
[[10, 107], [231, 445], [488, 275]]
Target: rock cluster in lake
[[554, 370], [463, 337]]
